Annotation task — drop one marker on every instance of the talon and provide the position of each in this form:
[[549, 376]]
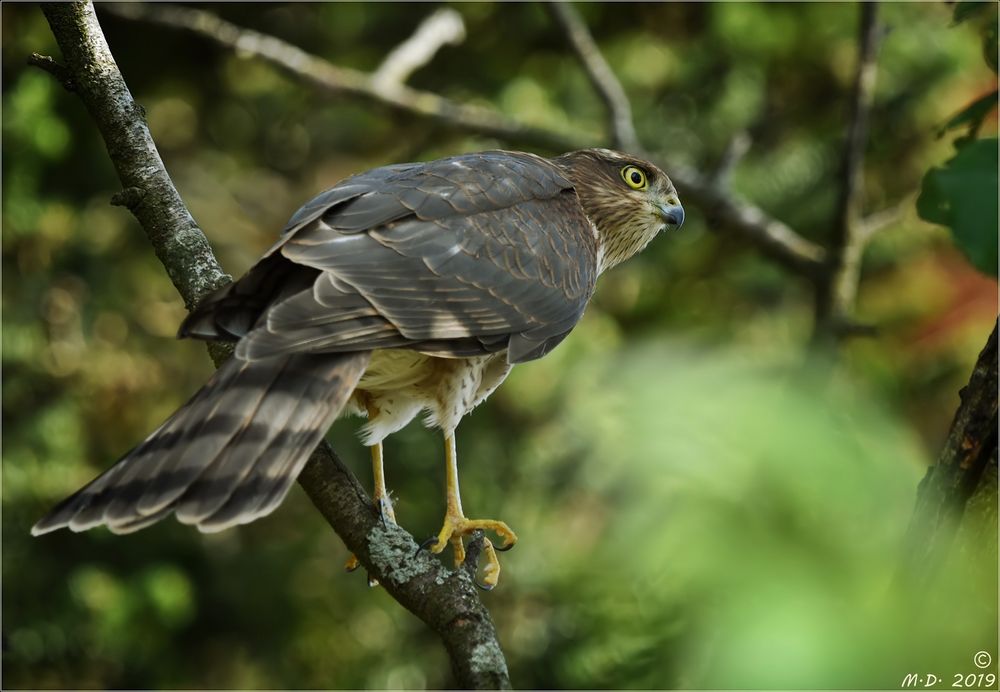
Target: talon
[[425, 544], [480, 544], [456, 525], [351, 564], [491, 571], [385, 512]]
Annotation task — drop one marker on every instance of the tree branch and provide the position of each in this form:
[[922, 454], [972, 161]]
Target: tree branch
[[736, 148], [774, 238], [47, 63], [342, 81], [176, 238], [965, 476], [444, 599], [442, 27], [836, 295], [870, 225], [623, 133]]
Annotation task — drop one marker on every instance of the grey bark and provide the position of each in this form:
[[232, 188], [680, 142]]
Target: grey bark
[[957, 499]]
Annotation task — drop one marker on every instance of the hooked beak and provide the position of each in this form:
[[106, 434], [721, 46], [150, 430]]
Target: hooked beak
[[672, 214]]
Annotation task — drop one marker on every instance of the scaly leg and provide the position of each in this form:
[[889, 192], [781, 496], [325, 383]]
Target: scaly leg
[[456, 525], [380, 497]]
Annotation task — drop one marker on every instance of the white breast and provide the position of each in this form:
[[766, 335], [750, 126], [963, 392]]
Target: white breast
[[399, 384]]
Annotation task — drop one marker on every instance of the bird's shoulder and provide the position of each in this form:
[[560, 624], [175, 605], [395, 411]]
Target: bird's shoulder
[[461, 256], [461, 185]]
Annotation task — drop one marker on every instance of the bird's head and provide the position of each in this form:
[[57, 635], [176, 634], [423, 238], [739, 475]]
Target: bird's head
[[629, 200]]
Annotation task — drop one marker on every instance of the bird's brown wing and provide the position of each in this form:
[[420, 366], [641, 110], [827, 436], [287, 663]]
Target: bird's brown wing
[[460, 256]]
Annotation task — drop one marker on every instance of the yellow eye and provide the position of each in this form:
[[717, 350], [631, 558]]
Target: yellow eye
[[634, 177]]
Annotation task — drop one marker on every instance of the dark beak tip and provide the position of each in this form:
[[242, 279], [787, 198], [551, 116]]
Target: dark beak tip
[[674, 216]]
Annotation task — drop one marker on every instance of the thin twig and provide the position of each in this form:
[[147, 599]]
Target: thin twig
[[836, 296], [879, 220], [446, 600], [47, 63], [772, 237], [736, 148], [343, 81], [441, 28], [600, 74], [775, 239]]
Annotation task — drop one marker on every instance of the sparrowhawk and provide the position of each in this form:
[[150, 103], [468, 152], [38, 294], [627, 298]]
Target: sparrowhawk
[[412, 287]]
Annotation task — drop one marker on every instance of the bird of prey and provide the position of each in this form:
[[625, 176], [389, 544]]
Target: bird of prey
[[408, 288]]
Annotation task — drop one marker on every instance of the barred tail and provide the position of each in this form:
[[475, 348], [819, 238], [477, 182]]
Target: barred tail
[[226, 457]]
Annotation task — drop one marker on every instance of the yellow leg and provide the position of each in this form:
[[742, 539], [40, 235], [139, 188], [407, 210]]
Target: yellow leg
[[380, 497], [456, 525]]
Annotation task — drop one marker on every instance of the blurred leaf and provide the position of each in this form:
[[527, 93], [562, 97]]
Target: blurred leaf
[[170, 593], [962, 195], [753, 520], [964, 9], [987, 23], [972, 115], [990, 42]]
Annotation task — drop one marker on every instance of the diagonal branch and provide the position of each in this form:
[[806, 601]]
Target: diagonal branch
[[772, 237], [736, 148], [342, 81], [836, 296], [444, 599], [962, 482], [600, 74], [775, 239], [45, 62], [875, 222], [442, 27]]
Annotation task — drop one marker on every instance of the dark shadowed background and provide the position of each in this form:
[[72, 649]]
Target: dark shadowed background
[[697, 505]]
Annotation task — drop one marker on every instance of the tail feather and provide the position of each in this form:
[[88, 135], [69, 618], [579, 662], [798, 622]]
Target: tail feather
[[268, 482], [226, 457], [290, 427], [140, 523], [228, 408]]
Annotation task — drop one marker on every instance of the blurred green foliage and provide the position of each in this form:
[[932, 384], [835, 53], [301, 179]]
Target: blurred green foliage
[[963, 196], [696, 508]]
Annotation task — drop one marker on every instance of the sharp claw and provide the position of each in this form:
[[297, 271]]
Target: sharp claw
[[385, 510], [504, 548], [352, 564], [425, 544], [483, 547]]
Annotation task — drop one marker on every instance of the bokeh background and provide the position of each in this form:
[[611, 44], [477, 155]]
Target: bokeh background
[[697, 506]]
